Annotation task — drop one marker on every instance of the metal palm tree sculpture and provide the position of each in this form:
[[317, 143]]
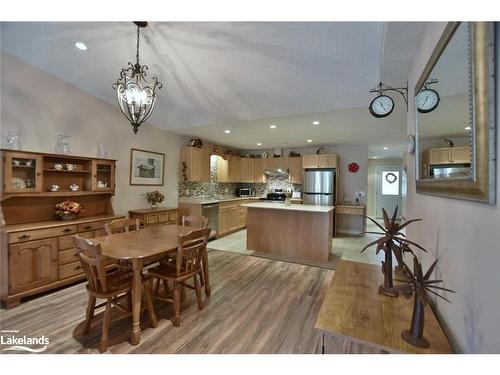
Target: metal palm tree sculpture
[[418, 283], [392, 240]]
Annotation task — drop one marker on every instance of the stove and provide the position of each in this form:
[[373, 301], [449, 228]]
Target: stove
[[274, 197]]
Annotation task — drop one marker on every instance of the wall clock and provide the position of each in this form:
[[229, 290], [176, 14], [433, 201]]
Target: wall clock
[[381, 106], [427, 100]]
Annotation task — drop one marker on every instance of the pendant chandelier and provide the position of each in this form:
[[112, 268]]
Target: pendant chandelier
[[136, 96]]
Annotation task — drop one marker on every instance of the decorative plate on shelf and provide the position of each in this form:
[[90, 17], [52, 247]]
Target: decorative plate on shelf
[[18, 183]]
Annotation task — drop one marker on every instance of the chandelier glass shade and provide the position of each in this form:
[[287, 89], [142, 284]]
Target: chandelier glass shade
[[135, 94]]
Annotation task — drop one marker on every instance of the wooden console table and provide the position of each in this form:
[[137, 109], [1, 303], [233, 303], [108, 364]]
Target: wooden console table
[[155, 216], [350, 210], [355, 318]]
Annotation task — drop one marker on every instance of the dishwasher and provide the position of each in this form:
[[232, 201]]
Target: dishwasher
[[211, 211]]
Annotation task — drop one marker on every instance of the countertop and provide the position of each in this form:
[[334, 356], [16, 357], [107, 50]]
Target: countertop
[[203, 200], [292, 207]]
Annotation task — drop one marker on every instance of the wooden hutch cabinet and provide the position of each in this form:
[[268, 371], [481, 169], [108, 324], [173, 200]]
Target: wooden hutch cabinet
[[36, 253]]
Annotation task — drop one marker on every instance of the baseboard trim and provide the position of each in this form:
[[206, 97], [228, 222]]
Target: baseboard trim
[[345, 231]]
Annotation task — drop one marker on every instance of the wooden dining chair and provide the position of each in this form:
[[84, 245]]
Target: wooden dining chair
[[109, 285], [187, 265], [122, 225], [197, 222]]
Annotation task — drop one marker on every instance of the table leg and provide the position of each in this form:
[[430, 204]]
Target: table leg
[[208, 290], [136, 301]]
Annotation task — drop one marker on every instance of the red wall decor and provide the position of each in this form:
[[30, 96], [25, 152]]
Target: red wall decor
[[353, 167]]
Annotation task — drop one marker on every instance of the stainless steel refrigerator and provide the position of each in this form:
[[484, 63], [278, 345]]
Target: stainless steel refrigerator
[[319, 187]]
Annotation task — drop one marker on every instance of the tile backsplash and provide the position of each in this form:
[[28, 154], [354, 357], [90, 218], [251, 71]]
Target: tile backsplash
[[227, 188]]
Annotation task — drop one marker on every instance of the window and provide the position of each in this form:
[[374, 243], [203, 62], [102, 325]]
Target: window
[[390, 182]]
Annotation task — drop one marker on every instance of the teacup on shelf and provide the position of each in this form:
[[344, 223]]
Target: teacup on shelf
[[58, 167], [101, 184], [16, 162], [53, 187], [70, 167], [74, 187], [28, 162]]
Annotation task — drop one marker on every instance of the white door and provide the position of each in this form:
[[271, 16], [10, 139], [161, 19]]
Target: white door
[[389, 190]]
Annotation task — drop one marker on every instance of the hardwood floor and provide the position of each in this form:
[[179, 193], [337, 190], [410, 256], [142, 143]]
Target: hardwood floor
[[257, 306]]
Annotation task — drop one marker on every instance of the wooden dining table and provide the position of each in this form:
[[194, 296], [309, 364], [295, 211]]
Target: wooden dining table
[[142, 247]]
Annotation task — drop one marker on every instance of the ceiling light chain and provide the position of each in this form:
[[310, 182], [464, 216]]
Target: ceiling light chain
[[136, 96]]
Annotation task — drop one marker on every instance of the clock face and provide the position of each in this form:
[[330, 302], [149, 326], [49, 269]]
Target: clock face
[[381, 106], [427, 100]]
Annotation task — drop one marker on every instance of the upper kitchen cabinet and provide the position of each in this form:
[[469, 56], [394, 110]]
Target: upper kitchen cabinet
[[447, 155], [283, 163], [234, 168], [195, 164], [320, 161], [23, 172], [296, 170], [259, 169], [247, 170]]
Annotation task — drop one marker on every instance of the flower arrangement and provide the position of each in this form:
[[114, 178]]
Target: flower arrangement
[[154, 197], [68, 210]]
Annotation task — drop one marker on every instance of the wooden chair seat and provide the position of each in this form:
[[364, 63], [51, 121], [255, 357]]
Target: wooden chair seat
[[117, 282]]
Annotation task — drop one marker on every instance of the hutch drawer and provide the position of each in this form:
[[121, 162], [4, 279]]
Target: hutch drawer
[[70, 269], [91, 226], [68, 256], [36, 234]]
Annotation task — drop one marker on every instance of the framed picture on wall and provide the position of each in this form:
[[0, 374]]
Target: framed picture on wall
[[146, 167]]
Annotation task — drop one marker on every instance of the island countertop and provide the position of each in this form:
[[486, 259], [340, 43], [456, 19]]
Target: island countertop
[[292, 207]]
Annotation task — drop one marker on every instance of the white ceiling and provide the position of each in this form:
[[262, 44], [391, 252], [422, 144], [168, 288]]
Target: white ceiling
[[240, 75]]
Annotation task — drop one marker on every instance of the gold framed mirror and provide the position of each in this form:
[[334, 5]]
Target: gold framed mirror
[[455, 115]]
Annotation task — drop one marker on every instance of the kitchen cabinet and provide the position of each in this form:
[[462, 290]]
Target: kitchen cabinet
[[32, 264], [196, 162], [460, 154], [205, 165], [320, 161], [259, 168], [232, 216], [234, 168], [447, 155], [247, 170], [222, 169], [440, 155], [283, 163], [296, 170], [271, 163]]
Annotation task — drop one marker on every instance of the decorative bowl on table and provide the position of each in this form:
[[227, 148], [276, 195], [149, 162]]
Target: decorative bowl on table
[[68, 210]]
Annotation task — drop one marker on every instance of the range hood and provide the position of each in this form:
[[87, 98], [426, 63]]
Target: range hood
[[276, 172]]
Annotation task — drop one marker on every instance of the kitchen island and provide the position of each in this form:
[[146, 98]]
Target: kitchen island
[[299, 231]]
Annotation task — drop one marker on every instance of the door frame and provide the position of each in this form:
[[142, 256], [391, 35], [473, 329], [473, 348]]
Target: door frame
[[379, 169]]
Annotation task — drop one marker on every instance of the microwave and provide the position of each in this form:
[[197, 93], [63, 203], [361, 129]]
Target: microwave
[[245, 192]]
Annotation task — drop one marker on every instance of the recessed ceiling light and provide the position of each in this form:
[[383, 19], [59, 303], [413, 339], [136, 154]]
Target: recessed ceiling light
[[315, 122], [272, 126], [227, 131], [468, 128], [81, 46], [386, 148], [374, 157], [309, 140], [259, 144]]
